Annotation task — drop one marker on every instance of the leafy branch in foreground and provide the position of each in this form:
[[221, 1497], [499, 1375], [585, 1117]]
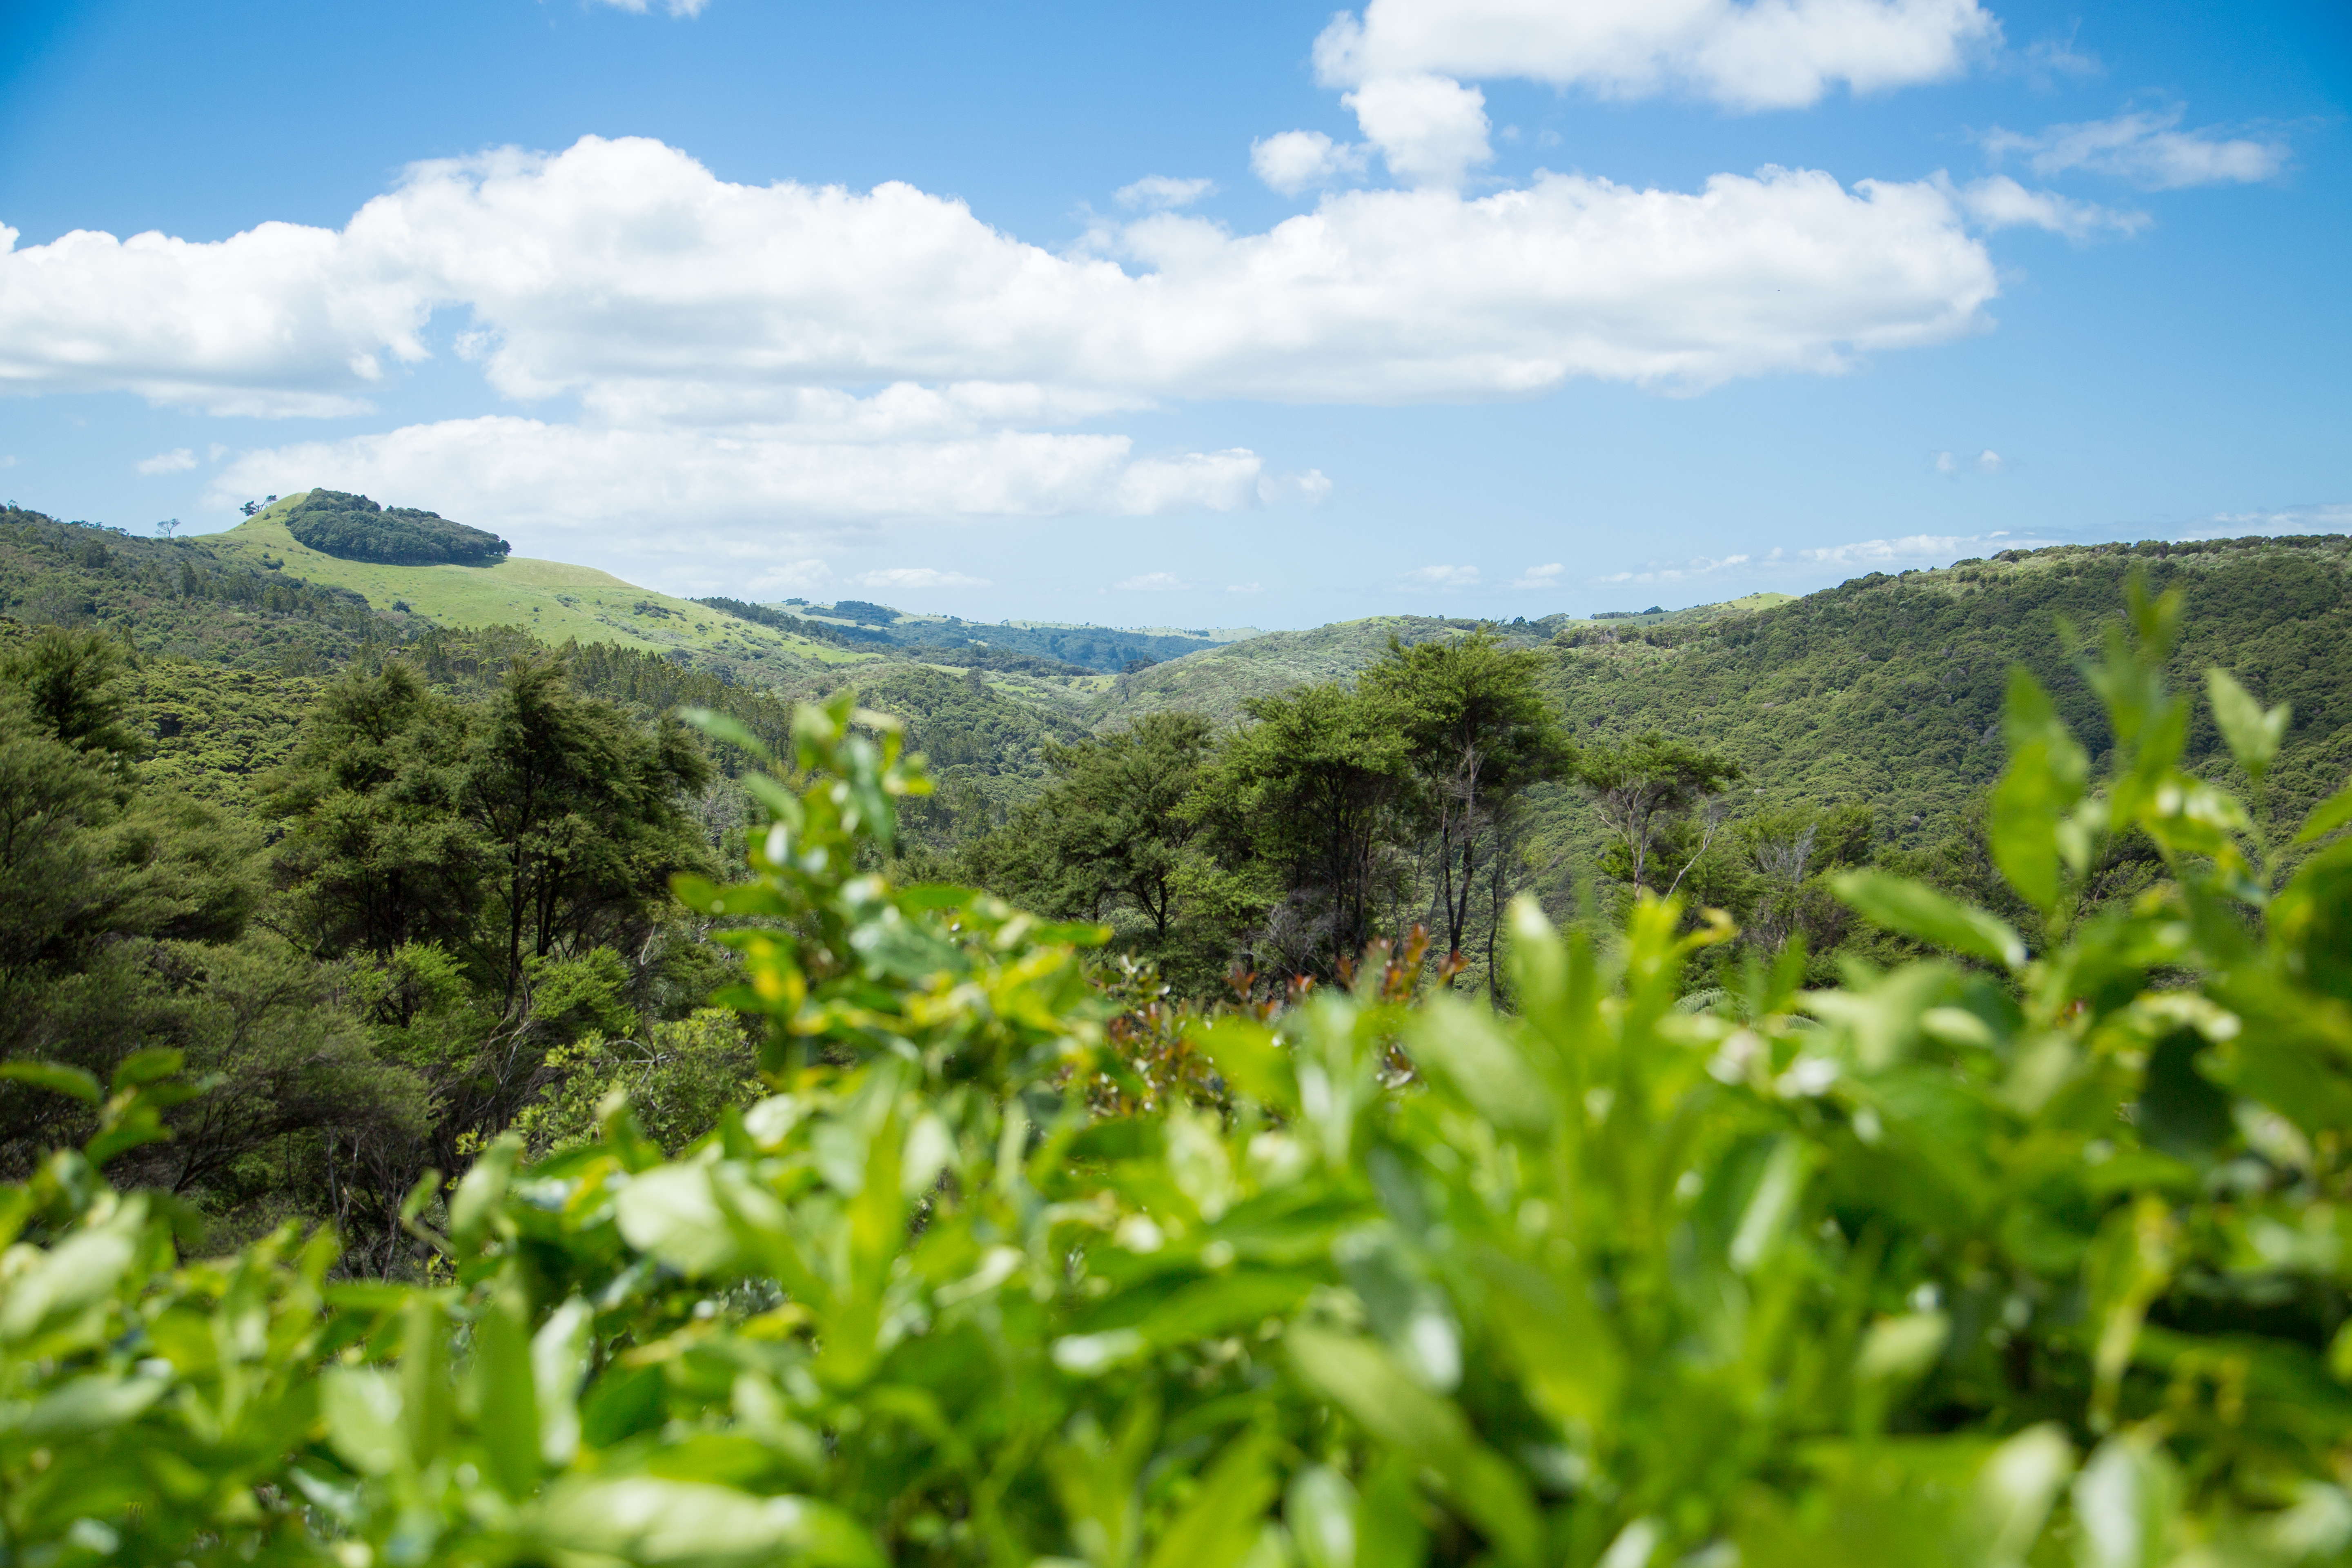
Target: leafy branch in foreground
[[2006, 1257]]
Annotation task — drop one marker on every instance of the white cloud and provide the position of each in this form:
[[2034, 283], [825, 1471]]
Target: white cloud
[[279, 320], [674, 7], [1681, 572], [1161, 193], [565, 480], [1914, 550], [907, 577], [1985, 462], [178, 461], [1245, 587], [9, 461], [1311, 488], [2145, 149], [1547, 576], [624, 273], [1442, 576], [1294, 161], [1431, 131], [1766, 54], [808, 578], [2000, 202], [1152, 583], [724, 342]]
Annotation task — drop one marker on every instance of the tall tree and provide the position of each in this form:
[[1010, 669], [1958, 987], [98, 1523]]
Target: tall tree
[[375, 850], [1480, 731], [585, 817], [1640, 788], [536, 824], [1110, 829], [1317, 790]]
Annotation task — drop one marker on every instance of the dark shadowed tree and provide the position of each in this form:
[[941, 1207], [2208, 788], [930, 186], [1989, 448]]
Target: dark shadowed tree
[[1317, 790]]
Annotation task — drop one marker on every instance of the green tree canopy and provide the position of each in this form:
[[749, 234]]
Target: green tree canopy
[[1639, 787], [1481, 730]]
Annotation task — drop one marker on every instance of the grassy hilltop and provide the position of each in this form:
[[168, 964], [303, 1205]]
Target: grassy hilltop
[[552, 600]]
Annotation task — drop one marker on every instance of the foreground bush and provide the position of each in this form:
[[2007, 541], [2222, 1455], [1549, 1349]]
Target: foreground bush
[[1997, 1257]]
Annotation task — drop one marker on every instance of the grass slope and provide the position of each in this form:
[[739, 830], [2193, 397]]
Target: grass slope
[[551, 599]]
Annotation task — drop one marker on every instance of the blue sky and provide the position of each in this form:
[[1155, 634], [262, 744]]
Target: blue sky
[[1202, 315]]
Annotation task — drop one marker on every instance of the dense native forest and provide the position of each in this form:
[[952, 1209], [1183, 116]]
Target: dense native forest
[[1856, 1081]]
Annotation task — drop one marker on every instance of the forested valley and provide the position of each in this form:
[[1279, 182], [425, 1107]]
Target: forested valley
[[1872, 1023]]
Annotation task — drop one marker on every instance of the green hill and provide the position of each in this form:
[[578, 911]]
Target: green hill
[[1885, 693], [551, 599], [1218, 681]]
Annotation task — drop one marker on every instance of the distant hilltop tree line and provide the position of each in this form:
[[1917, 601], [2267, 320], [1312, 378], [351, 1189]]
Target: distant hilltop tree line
[[353, 527]]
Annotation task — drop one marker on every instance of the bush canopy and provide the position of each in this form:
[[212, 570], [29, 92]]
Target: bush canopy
[[353, 527]]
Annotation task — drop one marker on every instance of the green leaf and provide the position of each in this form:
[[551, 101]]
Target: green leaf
[[2252, 734], [1389, 1531], [427, 1398], [147, 1067], [669, 1212], [1222, 1523], [361, 1408], [506, 1395], [2330, 815], [1358, 1376], [1564, 1348], [1246, 1057], [721, 727], [558, 1365], [661, 1523], [1899, 1350], [1320, 1508], [80, 1272], [483, 1189], [2044, 779], [84, 1405], [57, 1077], [1468, 1052], [1919, 910]]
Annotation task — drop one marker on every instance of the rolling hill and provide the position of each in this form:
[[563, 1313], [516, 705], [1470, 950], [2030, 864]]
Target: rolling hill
[[551, 599]]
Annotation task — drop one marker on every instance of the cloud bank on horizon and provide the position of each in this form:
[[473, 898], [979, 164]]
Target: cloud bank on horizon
[[831, 358]]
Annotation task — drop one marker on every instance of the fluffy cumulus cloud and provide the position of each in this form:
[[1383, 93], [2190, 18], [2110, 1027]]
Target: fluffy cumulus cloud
[[2147, 149], [800, 357], [1430, 130], [1441, 577], [1760, 54], [178, 461], [1151, 583], [1545, 576], [1291, 161], [626, 274]]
